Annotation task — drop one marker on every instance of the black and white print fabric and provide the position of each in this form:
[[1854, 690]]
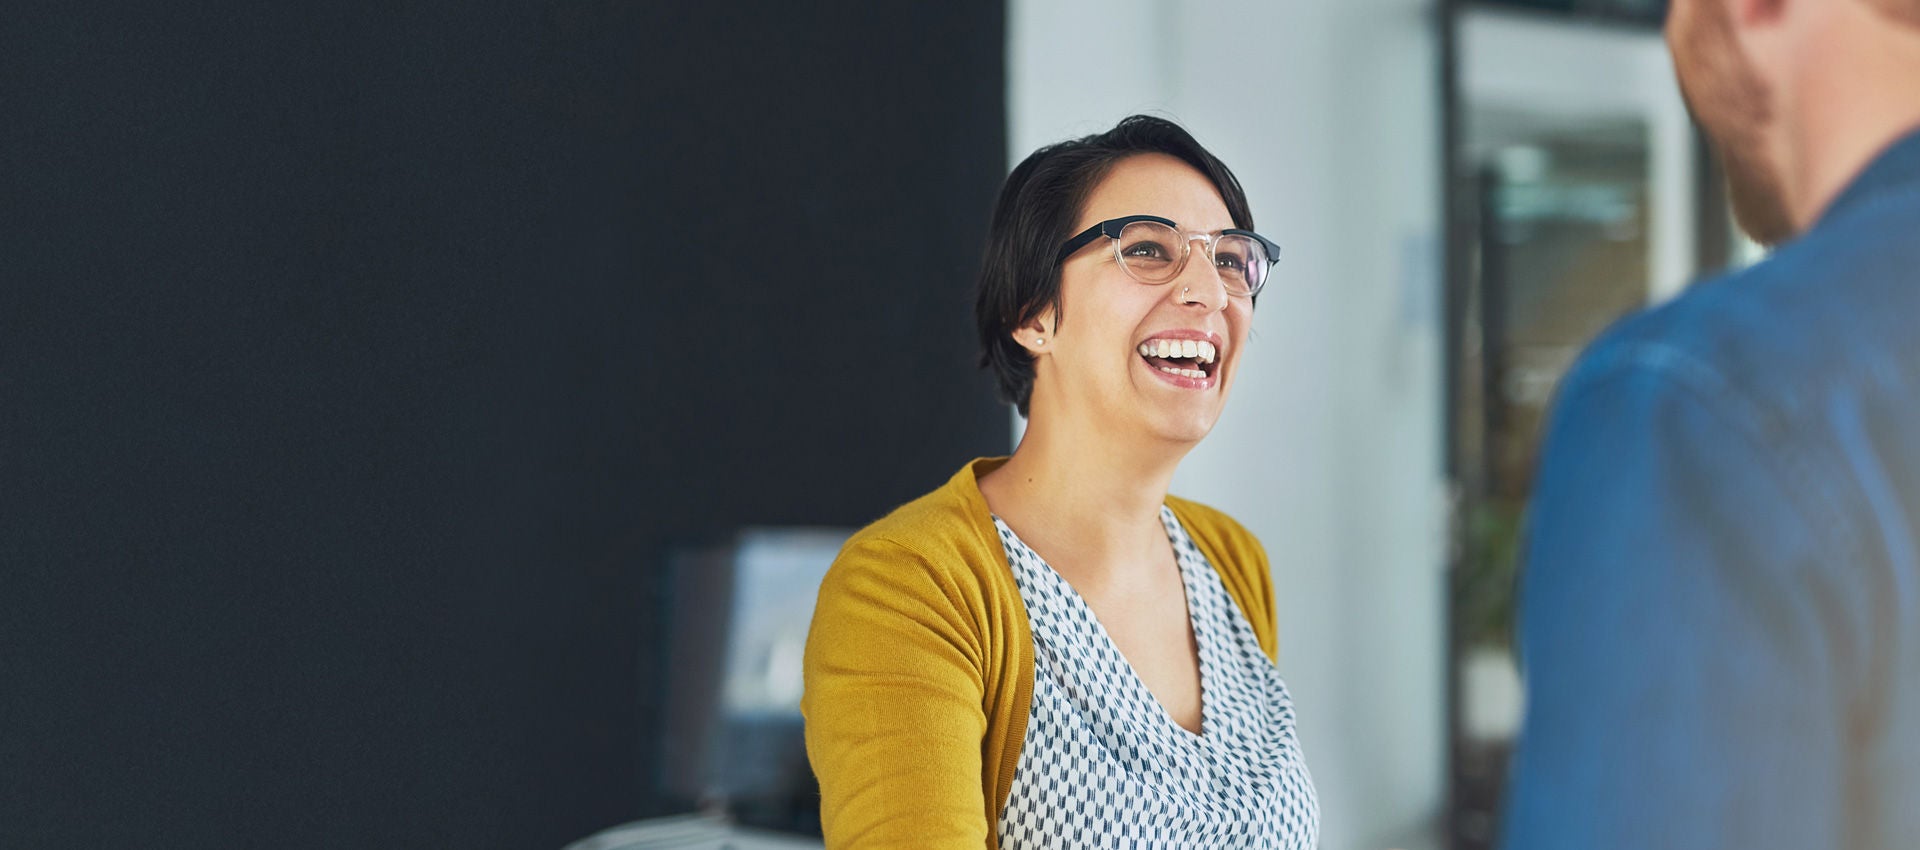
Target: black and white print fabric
[[1104, 764]]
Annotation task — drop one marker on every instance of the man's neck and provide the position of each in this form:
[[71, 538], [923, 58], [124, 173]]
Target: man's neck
[[1863, 95]]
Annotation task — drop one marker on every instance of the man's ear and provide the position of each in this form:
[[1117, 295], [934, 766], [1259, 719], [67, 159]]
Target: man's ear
[[1749, 13]]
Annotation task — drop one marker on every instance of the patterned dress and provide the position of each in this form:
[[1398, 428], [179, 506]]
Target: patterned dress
[[1105, 765]]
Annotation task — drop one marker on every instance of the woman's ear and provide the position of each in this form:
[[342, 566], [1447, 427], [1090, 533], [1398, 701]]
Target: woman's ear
[[1034, 334]]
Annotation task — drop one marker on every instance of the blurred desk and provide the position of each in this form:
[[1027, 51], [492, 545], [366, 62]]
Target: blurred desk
[[690, 832]]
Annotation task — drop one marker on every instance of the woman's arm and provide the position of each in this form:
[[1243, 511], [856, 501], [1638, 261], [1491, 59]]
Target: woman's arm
[[894, 720]]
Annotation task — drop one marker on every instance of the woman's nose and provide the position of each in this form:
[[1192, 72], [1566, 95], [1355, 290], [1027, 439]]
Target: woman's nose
[[1200, 282]]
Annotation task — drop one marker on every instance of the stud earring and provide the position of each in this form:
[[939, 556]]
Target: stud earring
[[1040, 341]]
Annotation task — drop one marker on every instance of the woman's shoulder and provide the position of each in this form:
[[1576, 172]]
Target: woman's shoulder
[[941, 538], [1207, 521]]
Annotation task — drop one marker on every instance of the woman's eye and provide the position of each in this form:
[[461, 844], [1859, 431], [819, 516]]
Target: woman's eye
[[1146, 249], [1228, 261]]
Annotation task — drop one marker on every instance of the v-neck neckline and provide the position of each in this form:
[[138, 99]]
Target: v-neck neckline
[[1169, 523]]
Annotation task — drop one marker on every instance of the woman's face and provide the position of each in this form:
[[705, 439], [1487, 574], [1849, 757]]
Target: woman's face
[[1091, 369]]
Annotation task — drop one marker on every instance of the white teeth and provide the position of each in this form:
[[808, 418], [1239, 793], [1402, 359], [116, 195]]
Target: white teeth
[[1193, 349], [1184, 373]]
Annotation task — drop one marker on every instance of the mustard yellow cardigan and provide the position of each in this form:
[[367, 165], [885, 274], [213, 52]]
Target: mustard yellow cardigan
[[919, 667]]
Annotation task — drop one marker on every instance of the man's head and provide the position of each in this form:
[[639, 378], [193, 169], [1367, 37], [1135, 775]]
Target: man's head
[[1901, 11], [1749, 72]]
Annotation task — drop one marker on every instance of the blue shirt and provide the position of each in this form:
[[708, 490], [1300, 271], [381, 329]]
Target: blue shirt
[[1720, 605]]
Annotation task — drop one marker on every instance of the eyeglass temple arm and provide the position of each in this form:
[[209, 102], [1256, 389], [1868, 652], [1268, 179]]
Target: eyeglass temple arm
[[1110, 228]]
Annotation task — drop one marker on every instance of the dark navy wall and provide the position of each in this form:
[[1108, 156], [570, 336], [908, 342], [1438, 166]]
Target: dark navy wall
[[357, 365]]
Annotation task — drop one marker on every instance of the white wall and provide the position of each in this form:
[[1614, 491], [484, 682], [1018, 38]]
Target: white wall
[[1330, 447]]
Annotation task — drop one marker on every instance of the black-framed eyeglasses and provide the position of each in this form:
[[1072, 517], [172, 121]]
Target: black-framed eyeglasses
[[1154, 250]]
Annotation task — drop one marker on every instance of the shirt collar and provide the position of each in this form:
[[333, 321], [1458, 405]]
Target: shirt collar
[[1895, 169]]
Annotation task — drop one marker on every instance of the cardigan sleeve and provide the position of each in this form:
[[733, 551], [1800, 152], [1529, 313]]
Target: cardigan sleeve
[[893, 703], [1257, 601]]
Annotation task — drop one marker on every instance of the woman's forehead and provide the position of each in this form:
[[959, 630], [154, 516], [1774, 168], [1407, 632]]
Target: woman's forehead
[[1157, 184]]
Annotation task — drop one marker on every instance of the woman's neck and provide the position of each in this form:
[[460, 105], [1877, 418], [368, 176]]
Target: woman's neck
[[1083, 496]]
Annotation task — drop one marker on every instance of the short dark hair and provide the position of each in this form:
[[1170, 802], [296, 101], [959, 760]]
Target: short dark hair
[[1041, 201]]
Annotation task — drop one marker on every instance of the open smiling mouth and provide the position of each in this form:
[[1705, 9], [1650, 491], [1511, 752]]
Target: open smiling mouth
[[1186, 358]]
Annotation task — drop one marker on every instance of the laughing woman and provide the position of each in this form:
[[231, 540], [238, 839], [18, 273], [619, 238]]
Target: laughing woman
[[1049, 650]]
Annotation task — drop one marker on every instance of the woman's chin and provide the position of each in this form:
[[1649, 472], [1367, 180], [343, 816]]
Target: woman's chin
[[1187, 427], [1184, 416]]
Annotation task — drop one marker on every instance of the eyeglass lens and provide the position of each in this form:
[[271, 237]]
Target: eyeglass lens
[[1154, 253]]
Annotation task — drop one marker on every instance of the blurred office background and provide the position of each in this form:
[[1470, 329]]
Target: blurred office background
[[424, 424]]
